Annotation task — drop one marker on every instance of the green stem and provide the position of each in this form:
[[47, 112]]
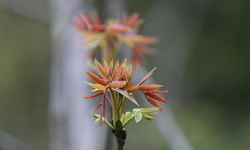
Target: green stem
[[114, 105], [110, 52]]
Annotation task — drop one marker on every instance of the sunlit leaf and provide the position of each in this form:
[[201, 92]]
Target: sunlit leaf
[[138, 117], [97, 87], [97, 120], [146, 112], [96, 116], [127, 118], [122, 119], [149, 110], [146, 116]]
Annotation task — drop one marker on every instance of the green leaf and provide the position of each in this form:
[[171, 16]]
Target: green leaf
[[135, 110], [96, 116], [126, 94], [149, 110], [127, 113], [138, 113], [109, 125], [97, 120], [127, 118], [146, 112], [148, 117], [138, 117], [122, 119]]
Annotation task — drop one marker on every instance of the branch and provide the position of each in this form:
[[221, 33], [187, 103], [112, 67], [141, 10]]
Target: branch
[[70, 126], [120, 134]]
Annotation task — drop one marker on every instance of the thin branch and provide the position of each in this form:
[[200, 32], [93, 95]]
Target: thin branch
[[120, 135], [36, 10]]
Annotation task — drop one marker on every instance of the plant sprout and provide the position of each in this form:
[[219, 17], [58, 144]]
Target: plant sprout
[[110, 80]]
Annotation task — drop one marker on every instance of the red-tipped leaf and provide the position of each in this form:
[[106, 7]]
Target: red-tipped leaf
[[98, 106], [154, 103], [149, 87], [95, 78], [157, 97], [133, 20], [94, 95], [100, 69]]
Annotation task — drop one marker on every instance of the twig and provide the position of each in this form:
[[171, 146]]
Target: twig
[[69, 130], [120, 134]]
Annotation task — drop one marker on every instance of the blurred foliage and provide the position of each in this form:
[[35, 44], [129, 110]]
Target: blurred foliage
[[221, 58], [24, 57], [216, 117]]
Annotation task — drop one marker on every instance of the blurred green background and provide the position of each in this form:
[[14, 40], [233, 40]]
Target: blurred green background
[[213, 95]]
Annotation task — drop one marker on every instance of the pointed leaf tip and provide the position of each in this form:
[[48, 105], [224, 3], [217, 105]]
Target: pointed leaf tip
[[95, 78], [93, 96], [146, 77], [157, 97], [149, 87], [97, 87]]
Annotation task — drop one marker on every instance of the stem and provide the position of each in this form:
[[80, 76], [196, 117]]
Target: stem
[[110, 53], [114, 105], [120, 134], [117, 107]]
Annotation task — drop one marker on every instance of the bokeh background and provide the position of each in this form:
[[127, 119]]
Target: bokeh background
[[203, 58]]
